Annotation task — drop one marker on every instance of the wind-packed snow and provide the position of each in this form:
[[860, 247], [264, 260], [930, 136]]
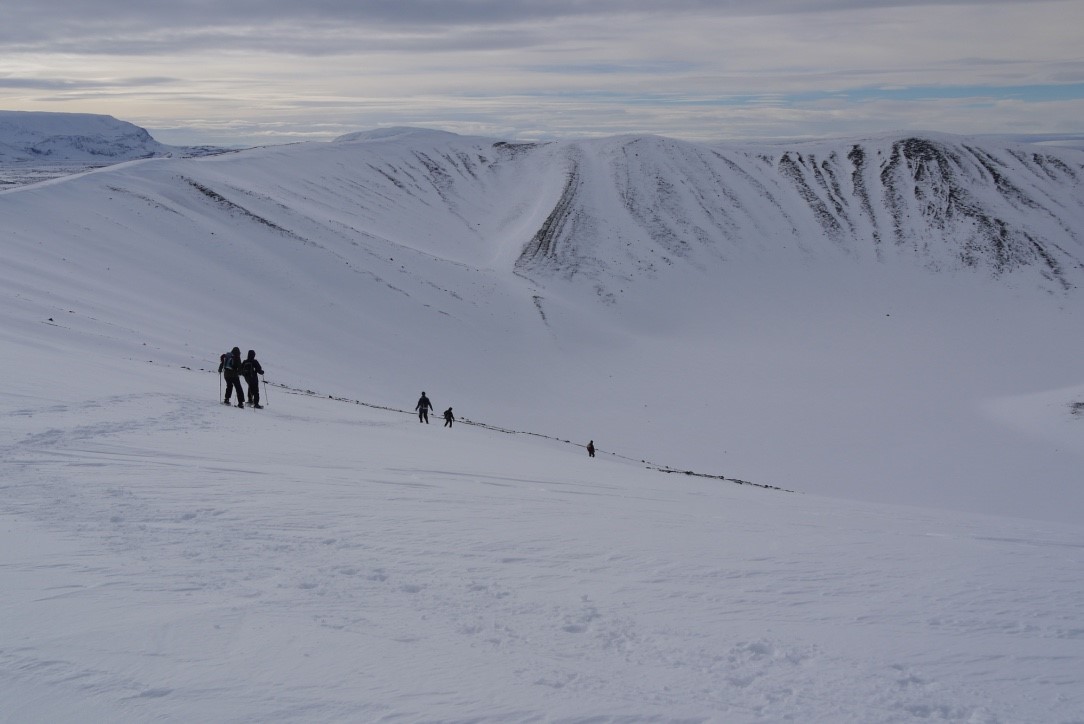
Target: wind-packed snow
[[165, 557]]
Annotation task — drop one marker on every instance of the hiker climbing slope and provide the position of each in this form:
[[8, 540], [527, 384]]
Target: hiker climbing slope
[[230, 368], [423, 407], [250, 370]]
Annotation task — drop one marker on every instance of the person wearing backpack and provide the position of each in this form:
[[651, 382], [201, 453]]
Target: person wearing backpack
[[448, 417], [230, 368], [250, 369], [423, 407]]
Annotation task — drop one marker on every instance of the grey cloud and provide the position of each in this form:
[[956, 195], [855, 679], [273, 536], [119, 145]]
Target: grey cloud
[[60, 84], [599, 66], [1068, 72], [50, 84], [469, 12], [131, 27], [312, 41]]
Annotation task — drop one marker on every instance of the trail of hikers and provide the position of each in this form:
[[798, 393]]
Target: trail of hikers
[[232, 369]]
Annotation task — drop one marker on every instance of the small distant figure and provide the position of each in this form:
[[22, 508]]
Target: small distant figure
[[591, 448], [423, 407], [448, 417], [230, 368], [250, 370]]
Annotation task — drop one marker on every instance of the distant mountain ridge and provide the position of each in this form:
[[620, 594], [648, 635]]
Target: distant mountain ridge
[[596, 214], [31, 137]]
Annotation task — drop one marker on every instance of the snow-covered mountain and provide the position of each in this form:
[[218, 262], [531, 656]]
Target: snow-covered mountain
[[703, 305], [35, 145], [627, 206], [938, 201], [889, 327], [72, 137]]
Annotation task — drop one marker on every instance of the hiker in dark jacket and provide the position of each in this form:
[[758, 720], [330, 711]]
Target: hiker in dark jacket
[[230, 368], [423, 407], [250, 370], [591, 448], [448, 417]]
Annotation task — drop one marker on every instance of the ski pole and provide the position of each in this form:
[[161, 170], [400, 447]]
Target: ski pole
[[266, 401]]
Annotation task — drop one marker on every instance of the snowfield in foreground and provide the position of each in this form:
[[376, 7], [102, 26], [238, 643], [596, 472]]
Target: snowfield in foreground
[[167, 558]]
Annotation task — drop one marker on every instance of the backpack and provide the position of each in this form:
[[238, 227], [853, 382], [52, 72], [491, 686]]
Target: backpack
[[228, 363]]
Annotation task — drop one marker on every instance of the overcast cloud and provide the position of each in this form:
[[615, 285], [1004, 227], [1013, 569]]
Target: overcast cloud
[[248, 71]]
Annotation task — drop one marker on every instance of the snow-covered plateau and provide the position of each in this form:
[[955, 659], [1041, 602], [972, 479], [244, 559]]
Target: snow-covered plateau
[[882, 335]]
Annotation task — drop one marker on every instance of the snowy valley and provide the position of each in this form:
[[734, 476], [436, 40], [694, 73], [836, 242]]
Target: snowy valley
[[888, 327]]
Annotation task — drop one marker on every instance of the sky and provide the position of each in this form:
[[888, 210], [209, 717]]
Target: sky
[[272, 71]]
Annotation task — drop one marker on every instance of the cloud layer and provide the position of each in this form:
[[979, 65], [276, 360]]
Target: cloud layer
[[239, 71]]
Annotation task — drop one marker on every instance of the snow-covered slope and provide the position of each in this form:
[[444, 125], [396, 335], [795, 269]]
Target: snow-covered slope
[[845, 317], [165, 557], [942, 202]]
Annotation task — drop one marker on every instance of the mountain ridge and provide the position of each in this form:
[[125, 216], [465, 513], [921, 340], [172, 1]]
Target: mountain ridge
[[944, 202], [45, 138]]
